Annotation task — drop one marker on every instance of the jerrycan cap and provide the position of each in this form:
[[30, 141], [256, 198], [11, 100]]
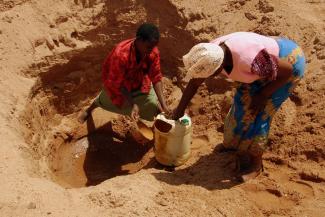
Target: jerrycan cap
[[185, 122]]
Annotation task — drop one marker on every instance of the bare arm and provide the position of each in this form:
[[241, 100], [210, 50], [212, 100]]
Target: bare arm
[[259, 100], [187, 96], [189, 93], [284, 73], [158, 87]]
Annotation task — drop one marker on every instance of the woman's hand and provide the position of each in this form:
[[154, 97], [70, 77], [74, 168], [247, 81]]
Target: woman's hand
[[176, 114], [135, 112]]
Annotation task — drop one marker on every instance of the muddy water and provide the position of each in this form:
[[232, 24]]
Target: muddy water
[[145, 131], [96, 158], [69, 162]]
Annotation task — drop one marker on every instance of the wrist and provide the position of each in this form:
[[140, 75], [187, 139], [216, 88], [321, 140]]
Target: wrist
[[179, 113], [164, 106]]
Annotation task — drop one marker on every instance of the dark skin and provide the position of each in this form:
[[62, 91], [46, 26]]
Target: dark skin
[[142, 48], [284, 73], [258, 103]]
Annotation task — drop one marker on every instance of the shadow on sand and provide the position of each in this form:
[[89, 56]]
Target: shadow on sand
[[108, 155], [213, 171]]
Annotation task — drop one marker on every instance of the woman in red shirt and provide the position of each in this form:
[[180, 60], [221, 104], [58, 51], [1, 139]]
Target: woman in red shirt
[[132, 78]]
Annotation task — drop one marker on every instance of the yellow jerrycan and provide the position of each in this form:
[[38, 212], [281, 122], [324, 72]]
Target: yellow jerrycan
[[172, 140]]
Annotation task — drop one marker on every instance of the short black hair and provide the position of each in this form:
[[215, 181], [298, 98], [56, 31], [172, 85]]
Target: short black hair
[[148, 32]]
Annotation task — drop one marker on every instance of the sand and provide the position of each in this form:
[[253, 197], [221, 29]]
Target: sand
[[51, 55]]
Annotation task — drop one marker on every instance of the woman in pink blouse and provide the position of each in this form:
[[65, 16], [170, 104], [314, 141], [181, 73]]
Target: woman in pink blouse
[[267, 70]]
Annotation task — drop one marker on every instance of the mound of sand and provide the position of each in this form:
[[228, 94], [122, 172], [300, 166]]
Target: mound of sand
[[51, 56]]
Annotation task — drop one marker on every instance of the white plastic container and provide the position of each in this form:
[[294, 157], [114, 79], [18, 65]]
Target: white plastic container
[[172, 140]]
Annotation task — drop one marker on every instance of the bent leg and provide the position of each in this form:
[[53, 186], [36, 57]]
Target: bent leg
[[148, 104]]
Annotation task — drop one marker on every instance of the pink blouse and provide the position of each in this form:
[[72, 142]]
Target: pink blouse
[[254, 56]]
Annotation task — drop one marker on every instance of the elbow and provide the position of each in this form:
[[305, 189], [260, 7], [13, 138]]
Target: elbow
[[285, 70], [156, 83], [285, 75]]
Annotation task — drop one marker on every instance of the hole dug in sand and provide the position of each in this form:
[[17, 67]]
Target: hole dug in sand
[[66, 152], [63, 150], [96, 158]]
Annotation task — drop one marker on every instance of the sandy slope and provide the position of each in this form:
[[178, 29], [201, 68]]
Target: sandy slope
[[50, 61]]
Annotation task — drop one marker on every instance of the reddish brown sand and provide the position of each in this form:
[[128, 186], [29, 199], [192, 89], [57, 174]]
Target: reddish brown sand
[[51, 55]]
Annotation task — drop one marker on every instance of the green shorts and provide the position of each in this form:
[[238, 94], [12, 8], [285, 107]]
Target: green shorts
[[148, 104]]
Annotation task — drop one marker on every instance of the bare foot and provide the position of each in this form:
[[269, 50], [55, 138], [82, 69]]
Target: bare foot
[[248, 166], [222, 149], [83, 117]]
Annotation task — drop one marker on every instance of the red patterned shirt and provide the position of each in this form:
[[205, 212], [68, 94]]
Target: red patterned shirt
[[121, 70]]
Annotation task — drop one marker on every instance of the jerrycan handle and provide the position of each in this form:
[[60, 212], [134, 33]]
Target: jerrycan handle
[[162, 126]]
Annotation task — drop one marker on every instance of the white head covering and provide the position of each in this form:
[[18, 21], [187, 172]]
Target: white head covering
[[203, 60]]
